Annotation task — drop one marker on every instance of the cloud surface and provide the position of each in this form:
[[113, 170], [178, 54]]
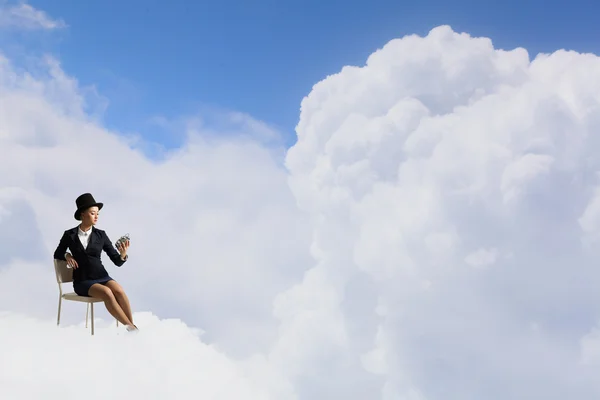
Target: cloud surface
[[432, 235]]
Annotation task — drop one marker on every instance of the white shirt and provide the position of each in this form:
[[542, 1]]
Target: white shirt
[[84, 237]]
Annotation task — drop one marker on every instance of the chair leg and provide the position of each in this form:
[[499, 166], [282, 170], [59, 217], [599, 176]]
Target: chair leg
[[92, 307], [59, 304], [87, 310]]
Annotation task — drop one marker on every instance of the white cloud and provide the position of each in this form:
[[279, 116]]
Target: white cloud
[[167, 359], [25, 16], [437, 147], [436, 152]]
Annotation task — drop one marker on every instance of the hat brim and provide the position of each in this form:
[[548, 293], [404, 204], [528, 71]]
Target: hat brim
[[77, 214]]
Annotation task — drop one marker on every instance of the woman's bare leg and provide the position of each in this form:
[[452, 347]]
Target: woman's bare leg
[[121, 298], [113, 307]]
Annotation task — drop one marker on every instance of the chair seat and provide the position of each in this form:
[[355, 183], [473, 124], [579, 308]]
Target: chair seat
[[75, 297]]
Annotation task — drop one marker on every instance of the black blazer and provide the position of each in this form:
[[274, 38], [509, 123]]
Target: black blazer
[[88, 260]]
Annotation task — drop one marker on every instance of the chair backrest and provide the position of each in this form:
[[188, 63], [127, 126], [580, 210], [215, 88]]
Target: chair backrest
[[64, 273]]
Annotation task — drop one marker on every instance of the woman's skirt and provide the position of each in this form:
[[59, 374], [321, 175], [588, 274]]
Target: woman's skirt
[[82, 288]]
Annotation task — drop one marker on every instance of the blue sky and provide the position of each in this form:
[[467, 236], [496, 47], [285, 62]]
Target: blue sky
[[171, 59]]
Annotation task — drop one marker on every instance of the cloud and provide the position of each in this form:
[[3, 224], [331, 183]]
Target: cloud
[[212, 123], [440, 148], [25, 16], [343, 273], [165, 360]]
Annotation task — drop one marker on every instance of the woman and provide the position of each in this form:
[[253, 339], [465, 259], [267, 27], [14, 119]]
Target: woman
[[90, 278]]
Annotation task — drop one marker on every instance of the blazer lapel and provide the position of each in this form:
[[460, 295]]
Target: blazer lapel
[[75, 238], [93, 238]]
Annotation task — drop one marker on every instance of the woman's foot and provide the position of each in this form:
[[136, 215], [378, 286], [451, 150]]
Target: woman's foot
[[131, 328]]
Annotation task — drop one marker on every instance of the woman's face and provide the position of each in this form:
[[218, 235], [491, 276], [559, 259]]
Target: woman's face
[[90, 216]]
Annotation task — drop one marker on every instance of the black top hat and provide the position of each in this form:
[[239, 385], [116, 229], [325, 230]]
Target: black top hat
[[84, 202]]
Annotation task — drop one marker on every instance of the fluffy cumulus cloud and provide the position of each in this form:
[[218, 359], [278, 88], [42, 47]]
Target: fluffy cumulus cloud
[[453, 189], [432, 235]]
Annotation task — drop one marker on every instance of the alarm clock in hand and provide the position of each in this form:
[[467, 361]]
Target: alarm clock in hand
[[122, 245]]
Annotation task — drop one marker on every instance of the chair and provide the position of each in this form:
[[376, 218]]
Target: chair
[[64, 274]]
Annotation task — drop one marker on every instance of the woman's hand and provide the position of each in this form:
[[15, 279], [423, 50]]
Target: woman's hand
[[71, 261], [122, 247]]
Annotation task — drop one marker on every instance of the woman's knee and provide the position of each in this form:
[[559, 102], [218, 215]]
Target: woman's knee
[[102, 292], [116, 289]]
